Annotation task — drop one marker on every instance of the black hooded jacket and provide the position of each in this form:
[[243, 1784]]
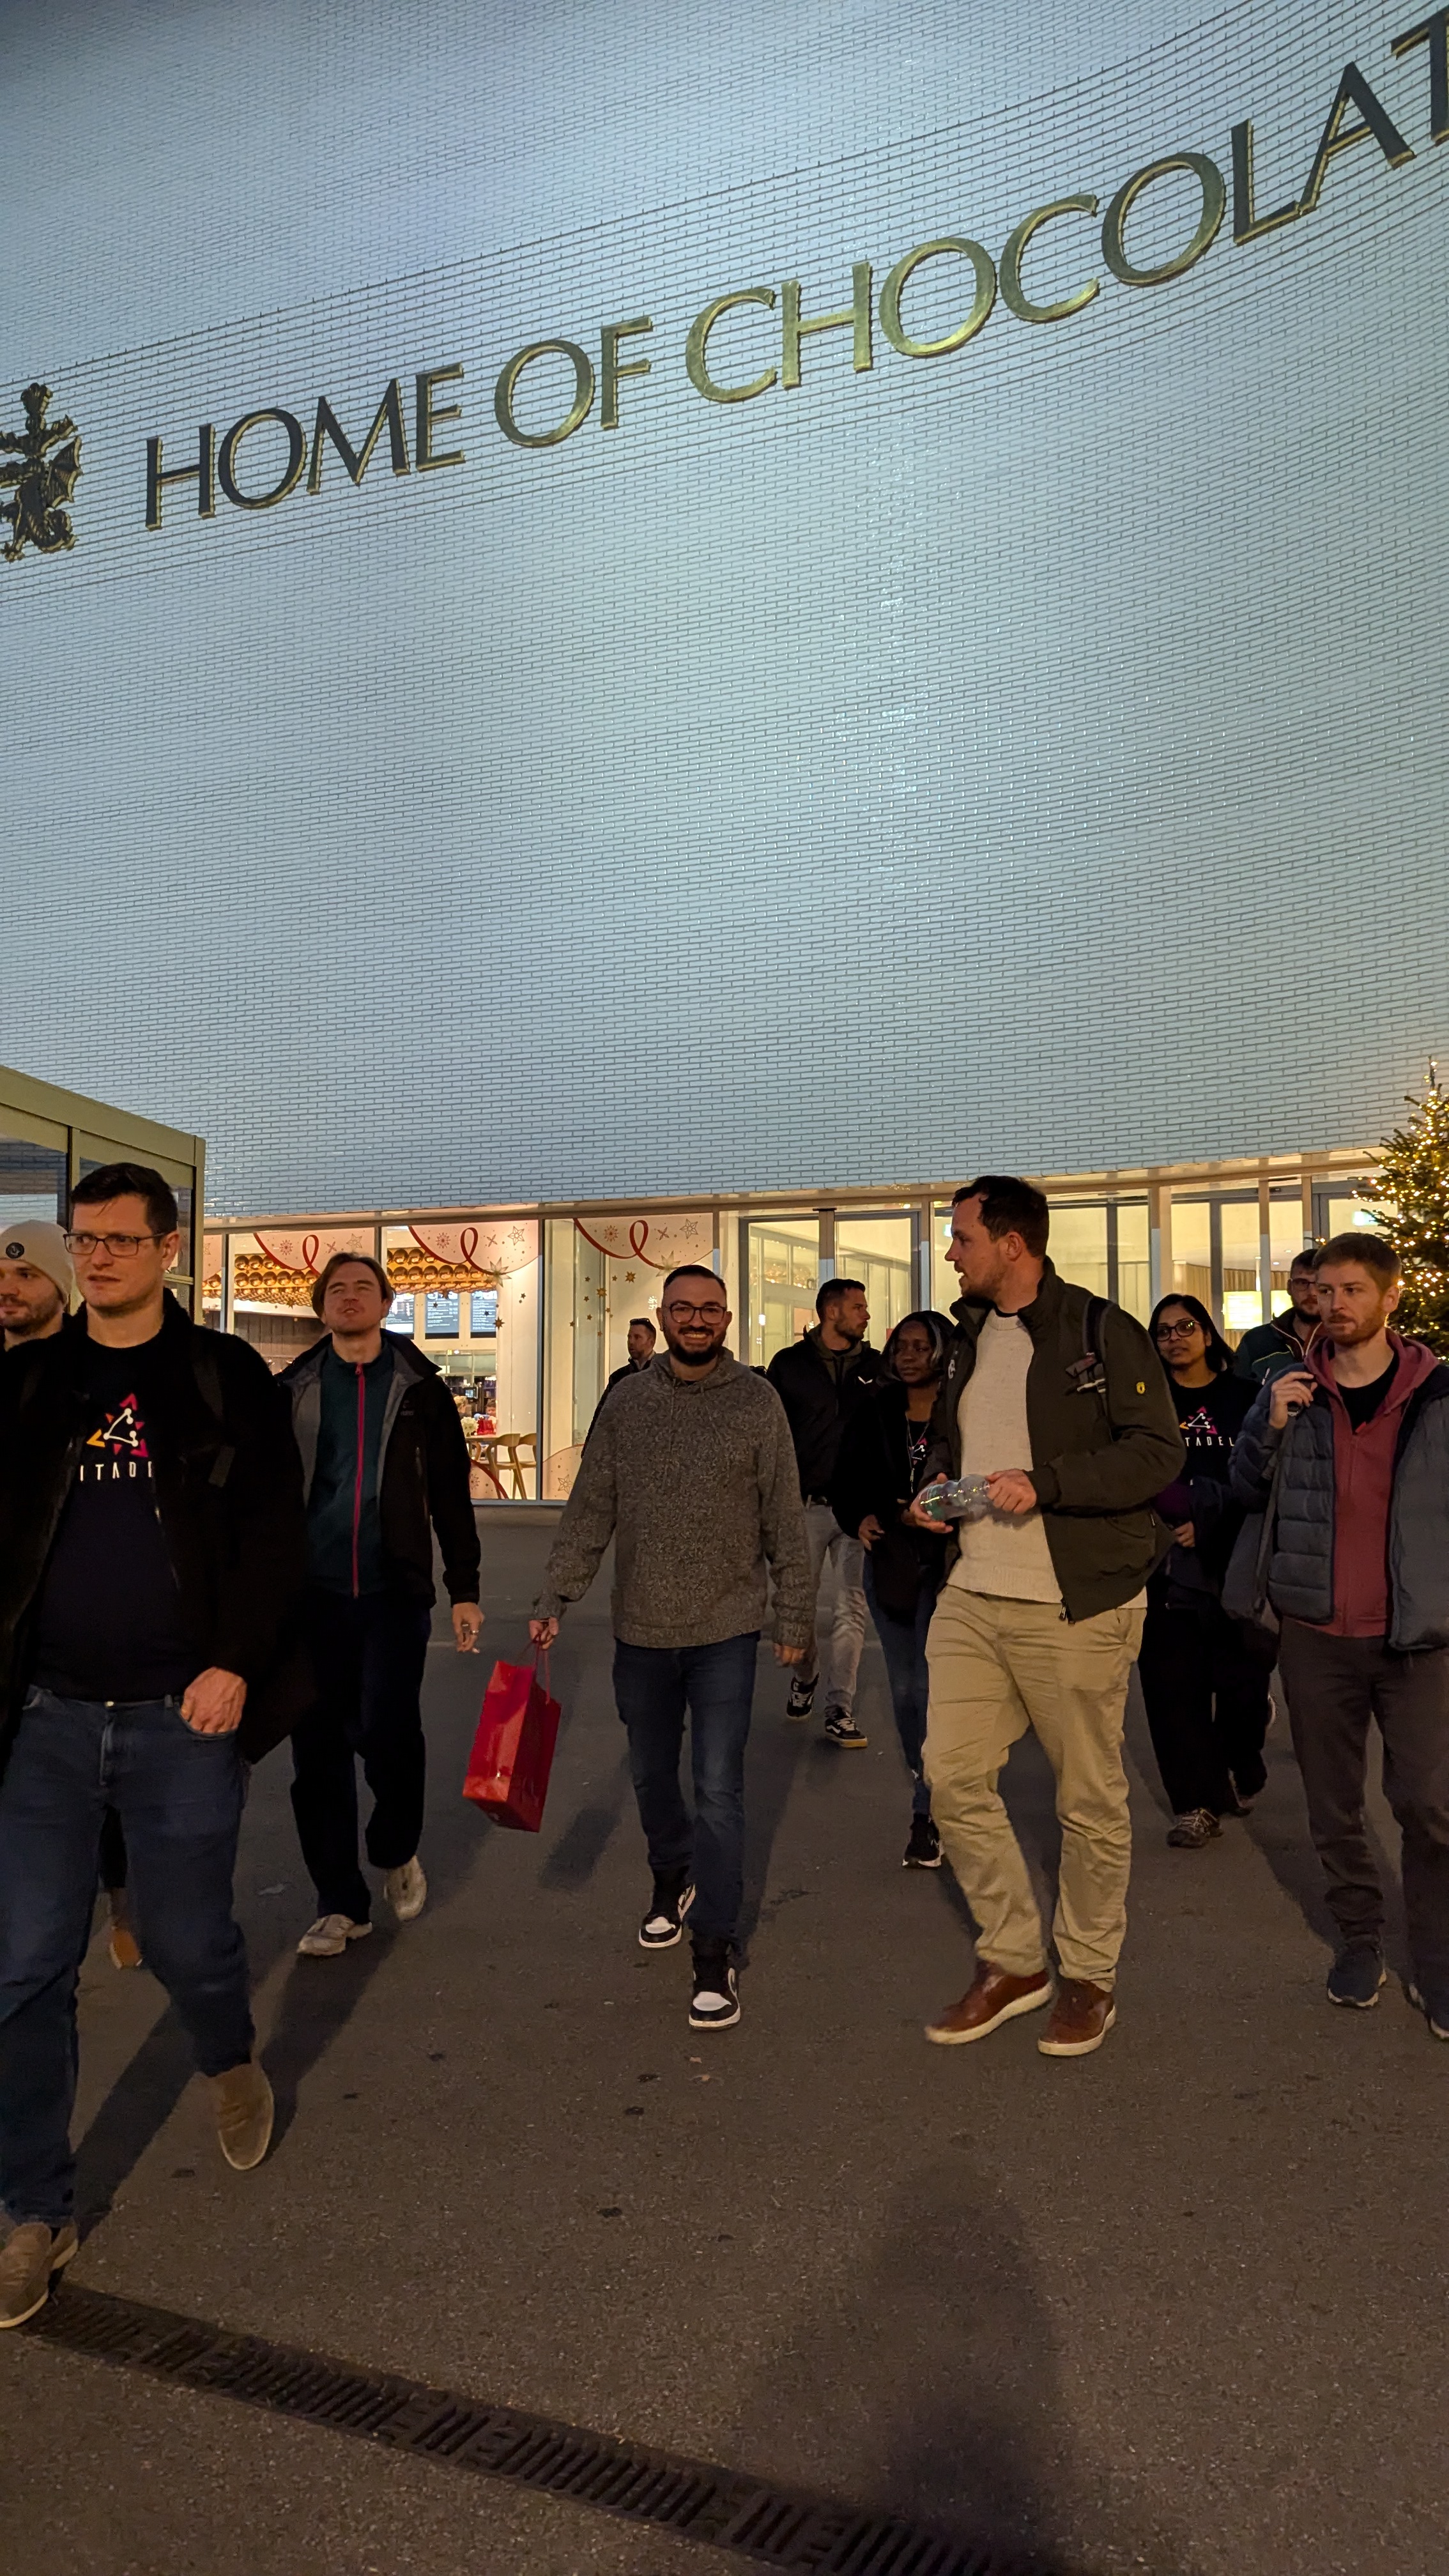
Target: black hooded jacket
[[820, 1390], [228, 1498]]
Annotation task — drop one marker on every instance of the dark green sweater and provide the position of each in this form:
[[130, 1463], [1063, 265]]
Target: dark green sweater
[[343, 1525]]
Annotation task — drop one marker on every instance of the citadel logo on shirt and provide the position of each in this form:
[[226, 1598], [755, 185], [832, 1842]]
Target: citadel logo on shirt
[[1200, 1431], [121, 1439]]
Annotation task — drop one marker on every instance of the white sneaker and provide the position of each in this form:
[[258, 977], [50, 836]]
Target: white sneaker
[[406, 1890], [330, 1935]]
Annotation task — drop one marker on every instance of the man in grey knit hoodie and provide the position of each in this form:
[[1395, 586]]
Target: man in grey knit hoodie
[[691, 1470]]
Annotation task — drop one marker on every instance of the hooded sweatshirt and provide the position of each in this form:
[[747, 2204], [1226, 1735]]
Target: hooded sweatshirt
[[1363, 1479]]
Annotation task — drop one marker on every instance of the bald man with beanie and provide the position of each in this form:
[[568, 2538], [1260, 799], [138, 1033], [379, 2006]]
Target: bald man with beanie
[[36, 1281]]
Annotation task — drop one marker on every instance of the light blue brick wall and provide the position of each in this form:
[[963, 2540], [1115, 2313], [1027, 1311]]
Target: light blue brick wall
[[1032, 756]]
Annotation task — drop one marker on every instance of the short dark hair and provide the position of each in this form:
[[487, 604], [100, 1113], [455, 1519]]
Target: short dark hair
[[130, 1181], [830, 1289], [1307, 1259], [1372, 1250], [1219, 1352], [645, 1323], [690, 1270], [336, 1261], [1009, 1206]]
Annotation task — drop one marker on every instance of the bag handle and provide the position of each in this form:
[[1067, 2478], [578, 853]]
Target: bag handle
[[542, 1650]]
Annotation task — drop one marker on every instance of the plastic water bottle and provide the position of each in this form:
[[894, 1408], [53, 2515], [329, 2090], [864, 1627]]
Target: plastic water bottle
[[954, 1498]]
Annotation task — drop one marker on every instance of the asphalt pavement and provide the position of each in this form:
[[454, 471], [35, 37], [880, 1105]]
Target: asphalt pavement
[[1179, 2306]]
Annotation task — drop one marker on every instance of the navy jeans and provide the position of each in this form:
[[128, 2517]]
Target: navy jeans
[[179, 1798], [653, 1686], [903, 1644], [369, 1655]]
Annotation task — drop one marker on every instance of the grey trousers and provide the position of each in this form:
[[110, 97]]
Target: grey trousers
[[833, 1549], [1337, 1687]]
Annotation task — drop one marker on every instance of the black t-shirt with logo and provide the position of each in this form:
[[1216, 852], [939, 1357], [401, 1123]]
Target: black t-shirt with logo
[[1210, 1418], [109, 1622]]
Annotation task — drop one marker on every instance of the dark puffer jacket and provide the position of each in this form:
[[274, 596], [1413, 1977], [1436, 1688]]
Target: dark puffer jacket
[[1299, 1555]]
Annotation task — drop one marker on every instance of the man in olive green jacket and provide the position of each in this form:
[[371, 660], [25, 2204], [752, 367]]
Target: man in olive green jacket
[[1058, 1402]]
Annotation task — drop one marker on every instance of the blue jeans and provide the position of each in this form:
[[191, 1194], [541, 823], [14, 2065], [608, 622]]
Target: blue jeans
[[653, 1686], [179, 1798], [903, 1644]]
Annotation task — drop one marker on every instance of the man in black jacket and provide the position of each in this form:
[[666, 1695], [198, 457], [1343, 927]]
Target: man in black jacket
[[640, 1346], [820, 1380], [1286, 1341], [384, 1464], [152, 1560]]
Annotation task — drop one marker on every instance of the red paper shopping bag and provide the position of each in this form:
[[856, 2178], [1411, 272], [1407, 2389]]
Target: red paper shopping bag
[[512, 1752]]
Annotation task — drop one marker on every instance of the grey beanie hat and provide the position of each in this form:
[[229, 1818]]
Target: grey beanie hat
[[43, 1246]]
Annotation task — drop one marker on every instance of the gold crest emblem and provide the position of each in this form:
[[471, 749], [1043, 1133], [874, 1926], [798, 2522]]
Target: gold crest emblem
[[43, 480]]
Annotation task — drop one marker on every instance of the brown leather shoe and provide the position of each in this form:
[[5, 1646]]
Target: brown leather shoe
[[991, 1999], [1084, 2014]]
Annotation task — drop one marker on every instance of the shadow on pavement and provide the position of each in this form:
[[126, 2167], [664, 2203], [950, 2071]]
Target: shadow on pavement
[[952, 2400]]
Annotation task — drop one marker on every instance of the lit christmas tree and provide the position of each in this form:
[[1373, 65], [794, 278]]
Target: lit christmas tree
[[1410, 1197]]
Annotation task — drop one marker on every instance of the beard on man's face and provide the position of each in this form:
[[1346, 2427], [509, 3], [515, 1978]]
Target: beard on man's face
[[699, 1348]]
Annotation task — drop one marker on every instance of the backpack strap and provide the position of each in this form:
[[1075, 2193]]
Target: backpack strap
[[1088, 1375]]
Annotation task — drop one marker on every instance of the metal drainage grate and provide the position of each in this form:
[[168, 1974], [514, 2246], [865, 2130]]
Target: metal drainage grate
[[769, 2525]]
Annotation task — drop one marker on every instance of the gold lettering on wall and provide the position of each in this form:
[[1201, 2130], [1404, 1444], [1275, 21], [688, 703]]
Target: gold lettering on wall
[[1376, 126], [578, 410], [855, 317], [1214, 206], [610, 370], [1014, 294], [696, 348], [291, 474], [203, 472], [430, 413], [984, 268], [357, 459]]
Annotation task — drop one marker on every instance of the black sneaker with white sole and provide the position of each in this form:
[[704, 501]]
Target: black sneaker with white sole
[[840, 1728], [715, 2001], [923, 1851], [1357, 1975], [664, 1922], [801, 1699]]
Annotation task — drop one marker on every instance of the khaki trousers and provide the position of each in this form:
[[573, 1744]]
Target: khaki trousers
[[998, 1667]]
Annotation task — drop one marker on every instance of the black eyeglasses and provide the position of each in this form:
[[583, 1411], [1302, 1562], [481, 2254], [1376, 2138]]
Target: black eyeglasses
[[121, 1247]]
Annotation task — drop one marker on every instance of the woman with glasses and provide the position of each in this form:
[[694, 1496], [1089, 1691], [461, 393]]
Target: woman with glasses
[[1205, 1684], [882, 1465]]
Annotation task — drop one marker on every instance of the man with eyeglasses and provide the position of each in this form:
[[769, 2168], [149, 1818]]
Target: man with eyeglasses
[[1287, 1339], [691, 1470], [152, 1560]]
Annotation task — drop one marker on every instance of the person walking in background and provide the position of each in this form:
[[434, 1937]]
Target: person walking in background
[[1205, 1686], [820, 1380], [1286, 1341], [882, 1465], [152, 1563], [384, 1464], [692, 1473], [37, 1283], [1350, 1458], [640, 1344], [1055, 1398]]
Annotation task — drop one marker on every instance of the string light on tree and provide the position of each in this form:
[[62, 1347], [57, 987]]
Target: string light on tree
[[1410, 1199]]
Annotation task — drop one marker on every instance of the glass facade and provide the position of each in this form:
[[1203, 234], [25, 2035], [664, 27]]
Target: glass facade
[[49, 1139], [528, 1316]]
